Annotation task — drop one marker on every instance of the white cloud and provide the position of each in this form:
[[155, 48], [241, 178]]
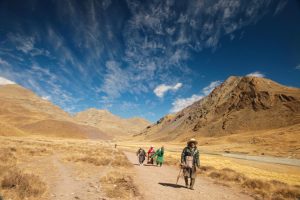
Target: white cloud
[[297, 67], [160, 90], [4, 81], [115, 80], [27, 45], [47, 98], [182, 103], [206, 90], [256, 74]]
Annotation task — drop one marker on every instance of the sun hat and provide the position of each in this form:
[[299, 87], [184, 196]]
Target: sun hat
[[192, 140]]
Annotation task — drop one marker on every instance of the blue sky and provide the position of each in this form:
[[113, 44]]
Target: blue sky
[[144, 58]]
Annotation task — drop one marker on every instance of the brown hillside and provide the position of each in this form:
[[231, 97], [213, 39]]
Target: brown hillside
[[109, 123], [240, 104], [22, 113]]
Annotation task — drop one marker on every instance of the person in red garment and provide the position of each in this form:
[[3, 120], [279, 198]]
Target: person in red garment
[[150, 152]]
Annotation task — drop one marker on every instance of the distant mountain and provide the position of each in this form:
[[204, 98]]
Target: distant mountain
[[109, 123], [24, 113], [240, 104]]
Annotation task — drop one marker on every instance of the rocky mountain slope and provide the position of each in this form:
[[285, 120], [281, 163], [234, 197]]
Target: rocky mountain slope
[[240, 104], [109, 123], [24, 113]]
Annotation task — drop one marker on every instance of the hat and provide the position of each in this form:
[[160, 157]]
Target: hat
[[193, 140]]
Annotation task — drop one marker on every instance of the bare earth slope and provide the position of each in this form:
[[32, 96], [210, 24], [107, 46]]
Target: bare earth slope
[[109, 123], [24, 113], [240, 104]]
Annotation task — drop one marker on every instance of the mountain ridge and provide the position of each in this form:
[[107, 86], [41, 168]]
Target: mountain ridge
[[22, 112], [108, 122], [239, 104]]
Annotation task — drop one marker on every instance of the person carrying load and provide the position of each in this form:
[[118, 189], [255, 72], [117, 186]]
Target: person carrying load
[[141, 154], [190, 162]]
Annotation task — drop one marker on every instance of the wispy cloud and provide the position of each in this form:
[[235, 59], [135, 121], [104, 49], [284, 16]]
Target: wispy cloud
[[160, 90], [159, 38], [206, 90], [256, 74], [42, 81], [181, 103], [99, 54], [297, 67], [115, 80], [27, 45]]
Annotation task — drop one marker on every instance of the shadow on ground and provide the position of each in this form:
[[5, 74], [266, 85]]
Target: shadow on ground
[[171, 185], [146, 165]]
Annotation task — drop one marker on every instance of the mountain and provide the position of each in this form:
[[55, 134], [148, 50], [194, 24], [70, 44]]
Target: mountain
[[24, 113], [109, 123], [240, 104]]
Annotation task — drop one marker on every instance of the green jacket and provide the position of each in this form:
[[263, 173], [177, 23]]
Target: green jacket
[[187, 151], [160, 155]]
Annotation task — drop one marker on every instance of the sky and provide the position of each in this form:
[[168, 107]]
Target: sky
[[144, 58]]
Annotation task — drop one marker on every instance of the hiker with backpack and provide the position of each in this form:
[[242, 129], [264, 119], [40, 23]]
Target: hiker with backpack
[[190, 162], [141, 154], [160, 156]]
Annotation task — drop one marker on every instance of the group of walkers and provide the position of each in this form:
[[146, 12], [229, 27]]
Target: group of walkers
[[158, 155], [189, 160]]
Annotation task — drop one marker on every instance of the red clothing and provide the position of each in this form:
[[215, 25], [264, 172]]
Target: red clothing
[[151, 150]]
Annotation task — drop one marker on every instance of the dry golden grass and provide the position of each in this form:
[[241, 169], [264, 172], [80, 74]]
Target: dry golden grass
[[18, 183], [99, 156], [117, 182], [262, 180], [260, 187], [14, 183], [23, 184], [119, 185]]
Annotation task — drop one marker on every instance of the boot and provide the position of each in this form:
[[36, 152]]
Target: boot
[[192, 184], [186, 179]]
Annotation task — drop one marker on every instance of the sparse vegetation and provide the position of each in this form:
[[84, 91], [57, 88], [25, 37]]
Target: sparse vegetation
[[119, 185], [23, 184], [259, 189], [14, 183], [262, 181], [17, 182]]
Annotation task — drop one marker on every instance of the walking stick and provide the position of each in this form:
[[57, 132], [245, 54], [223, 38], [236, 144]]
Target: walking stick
[[178, 175]]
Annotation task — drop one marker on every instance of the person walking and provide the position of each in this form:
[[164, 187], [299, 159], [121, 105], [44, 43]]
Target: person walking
[[160, 156], [150, 152], [141, 154], [190, 162]]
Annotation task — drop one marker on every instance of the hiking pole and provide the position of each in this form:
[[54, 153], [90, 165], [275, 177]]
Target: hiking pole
[[178, 175]]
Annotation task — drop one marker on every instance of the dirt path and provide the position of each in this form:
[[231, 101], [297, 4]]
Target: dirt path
[[159, 183], [67, 181]]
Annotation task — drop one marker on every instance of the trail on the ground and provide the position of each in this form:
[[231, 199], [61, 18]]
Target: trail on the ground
[[66, 181], [160, 183]]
